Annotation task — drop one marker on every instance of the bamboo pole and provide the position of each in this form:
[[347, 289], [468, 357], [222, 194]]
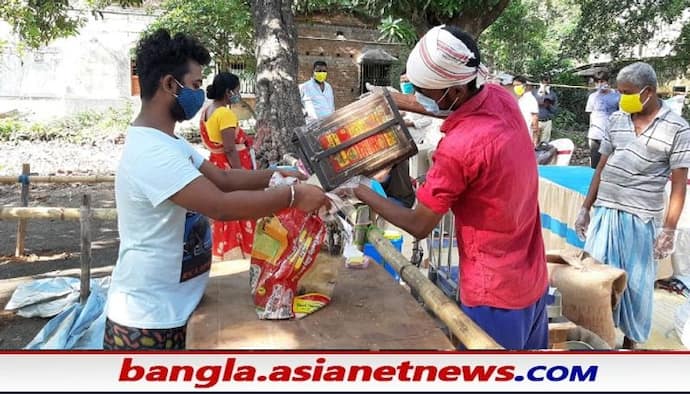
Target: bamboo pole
[[466, 330], [21, 225], [59, 179], [49, 213], [85, 257]]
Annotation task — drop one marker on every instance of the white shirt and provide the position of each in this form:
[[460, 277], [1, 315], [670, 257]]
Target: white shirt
[[316, 102], [151, 286], [529, 107], [600, 105]]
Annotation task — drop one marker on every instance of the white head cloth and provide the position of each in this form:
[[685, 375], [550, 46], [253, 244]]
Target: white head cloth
[[439, 61]]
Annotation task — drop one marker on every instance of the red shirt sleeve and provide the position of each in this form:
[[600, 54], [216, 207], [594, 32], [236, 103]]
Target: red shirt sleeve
[[448, 177]]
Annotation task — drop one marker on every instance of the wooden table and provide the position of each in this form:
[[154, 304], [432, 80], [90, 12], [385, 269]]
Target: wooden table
[[369, 310]]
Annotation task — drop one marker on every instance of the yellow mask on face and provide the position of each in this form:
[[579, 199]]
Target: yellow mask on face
[[320, 76], [519, 89], [632, 103]]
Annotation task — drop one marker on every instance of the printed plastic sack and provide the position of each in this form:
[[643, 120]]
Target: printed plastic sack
[[289, 275]]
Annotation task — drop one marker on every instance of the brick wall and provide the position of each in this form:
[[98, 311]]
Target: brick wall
[[318, 40]]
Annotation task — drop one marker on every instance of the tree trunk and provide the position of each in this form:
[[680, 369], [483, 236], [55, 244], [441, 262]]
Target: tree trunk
[[474, 21], [278, 103]]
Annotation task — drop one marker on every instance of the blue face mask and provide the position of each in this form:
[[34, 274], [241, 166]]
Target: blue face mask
[[430, 105], [406, 87], [235, 98], [191, 100]]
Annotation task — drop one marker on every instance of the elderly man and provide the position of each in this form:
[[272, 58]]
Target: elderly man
[[643, 144], [484, 157]]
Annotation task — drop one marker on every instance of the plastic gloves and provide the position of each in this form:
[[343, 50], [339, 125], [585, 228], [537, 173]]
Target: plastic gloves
[[665, 243], [582, 223]]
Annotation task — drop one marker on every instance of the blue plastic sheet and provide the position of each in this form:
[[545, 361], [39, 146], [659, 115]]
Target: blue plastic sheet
[[74, 326]]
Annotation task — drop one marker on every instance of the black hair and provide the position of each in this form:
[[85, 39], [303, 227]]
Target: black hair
[[545, 77], [222, 82], [159, 54], [319, 63], [521, 78], [471, 44], [601, 75]]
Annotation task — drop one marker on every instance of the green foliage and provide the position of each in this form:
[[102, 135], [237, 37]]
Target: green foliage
[[525, 39], [84, 127], [398, 30], [224, 27], [38, 22], [617, 26]]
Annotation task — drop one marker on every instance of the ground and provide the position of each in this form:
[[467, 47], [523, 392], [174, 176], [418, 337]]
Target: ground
[[50, 246]]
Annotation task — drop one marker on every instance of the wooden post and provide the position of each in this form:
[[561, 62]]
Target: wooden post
[[464, 328], [21, 225], [85, 259]]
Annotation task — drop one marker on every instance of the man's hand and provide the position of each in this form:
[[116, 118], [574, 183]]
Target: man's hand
[[310, 198], [582, 223], [665, 243], [294, 174], [347, 189]]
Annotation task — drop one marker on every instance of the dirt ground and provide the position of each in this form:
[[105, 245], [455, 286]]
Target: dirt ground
[[52, 247]]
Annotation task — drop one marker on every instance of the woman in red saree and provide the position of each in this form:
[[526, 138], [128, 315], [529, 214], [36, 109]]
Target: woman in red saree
[[229, 147]]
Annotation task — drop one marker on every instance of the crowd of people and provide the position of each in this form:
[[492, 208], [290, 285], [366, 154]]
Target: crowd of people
[[483, 138]]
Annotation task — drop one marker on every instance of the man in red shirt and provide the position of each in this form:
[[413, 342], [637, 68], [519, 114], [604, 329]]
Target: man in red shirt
[[485, 171]]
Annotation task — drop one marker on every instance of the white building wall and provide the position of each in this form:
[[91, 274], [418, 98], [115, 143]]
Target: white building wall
[[90, 71]]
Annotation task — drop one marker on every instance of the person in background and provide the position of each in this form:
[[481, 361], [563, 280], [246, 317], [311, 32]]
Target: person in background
[[506, 81], [229, 147], [484, 157], [425, 130], [600, 104], [528, 106], [642, 145], [164, 191], [317, 94], [548, 108]]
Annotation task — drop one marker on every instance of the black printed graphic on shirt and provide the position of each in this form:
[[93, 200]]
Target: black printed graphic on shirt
[[196, 257]]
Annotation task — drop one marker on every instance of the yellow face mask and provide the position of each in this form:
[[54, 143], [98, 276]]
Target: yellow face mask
[[519, 89], [632, 103], [320, 76]]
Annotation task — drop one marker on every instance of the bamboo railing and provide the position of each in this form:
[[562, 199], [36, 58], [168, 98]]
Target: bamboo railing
[[464, 328]]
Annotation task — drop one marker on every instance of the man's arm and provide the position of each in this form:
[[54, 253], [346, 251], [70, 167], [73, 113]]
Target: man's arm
[[594, 185], [236, 179], [408, 102], [534, 127], [201, 195], [241, 179], [418, 222], [679, 179]]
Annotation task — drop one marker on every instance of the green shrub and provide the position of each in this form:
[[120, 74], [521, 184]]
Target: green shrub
[[84, 127]]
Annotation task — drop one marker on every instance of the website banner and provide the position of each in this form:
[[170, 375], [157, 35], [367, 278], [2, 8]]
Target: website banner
[[345, 371]]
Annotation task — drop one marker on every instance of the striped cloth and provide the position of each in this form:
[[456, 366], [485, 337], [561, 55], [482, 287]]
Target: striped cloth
[[625, 241], [439, 61], [638, 167]]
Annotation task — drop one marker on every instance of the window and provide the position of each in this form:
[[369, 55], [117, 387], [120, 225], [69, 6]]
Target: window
[[247, 78], [375, 74], [134, 78]]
